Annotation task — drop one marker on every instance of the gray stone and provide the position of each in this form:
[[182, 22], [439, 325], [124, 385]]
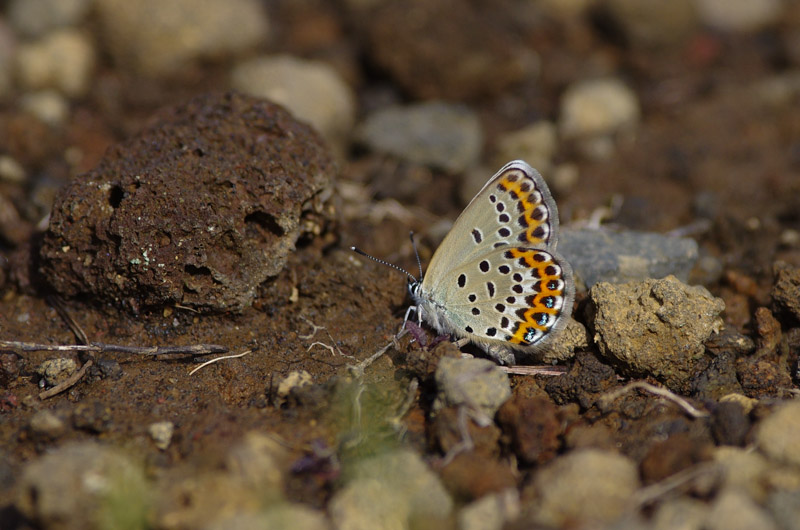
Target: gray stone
[[436, 134], [475, 383], [654, 327], [619, 257], [587, 485]]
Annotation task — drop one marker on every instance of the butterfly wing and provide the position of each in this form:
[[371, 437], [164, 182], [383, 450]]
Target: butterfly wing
[[510, 297], [514, 208]]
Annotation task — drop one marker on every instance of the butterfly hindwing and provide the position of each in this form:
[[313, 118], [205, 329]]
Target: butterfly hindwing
[[513, 295]]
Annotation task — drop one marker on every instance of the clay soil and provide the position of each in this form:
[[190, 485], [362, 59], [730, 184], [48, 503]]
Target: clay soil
[[709, 158]]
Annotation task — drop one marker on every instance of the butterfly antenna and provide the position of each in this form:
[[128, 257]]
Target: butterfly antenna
[[414, 244], [382, 262]]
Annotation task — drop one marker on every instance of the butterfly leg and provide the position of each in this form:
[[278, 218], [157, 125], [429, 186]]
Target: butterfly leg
[[460, 343], [412, 309]]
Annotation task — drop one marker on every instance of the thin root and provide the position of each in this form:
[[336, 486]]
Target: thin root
[[608, 397], [220, 358]]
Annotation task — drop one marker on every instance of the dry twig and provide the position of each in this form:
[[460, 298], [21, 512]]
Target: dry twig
[[74, 378], [59, 306], [99, 347], [534, 370]]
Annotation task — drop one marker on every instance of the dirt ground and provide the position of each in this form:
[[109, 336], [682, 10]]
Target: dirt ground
[[709, 158]]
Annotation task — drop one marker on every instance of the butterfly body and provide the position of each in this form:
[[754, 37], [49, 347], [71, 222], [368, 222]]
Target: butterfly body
[[497, 278]]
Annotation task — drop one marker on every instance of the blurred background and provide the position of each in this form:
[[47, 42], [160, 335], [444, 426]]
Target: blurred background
[[667, 114]]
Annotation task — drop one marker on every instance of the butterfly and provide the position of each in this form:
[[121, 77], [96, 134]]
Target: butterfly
[[497, 280]]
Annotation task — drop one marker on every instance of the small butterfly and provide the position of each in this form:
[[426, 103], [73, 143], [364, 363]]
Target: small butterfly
[[497, 279]]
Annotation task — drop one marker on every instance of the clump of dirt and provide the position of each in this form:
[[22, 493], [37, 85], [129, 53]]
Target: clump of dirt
[[198, 209]]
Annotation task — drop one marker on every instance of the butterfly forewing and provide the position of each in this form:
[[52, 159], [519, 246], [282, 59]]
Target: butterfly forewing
[[514, 208]]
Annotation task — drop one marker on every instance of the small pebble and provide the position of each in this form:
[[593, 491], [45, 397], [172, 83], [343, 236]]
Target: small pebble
[[740, 15], [569, 489], [258, 460], [733, 510], [490, 512], [435, 134], [285, 385], [778, 435], [74, 483], [161, 432], [655, 23], [47, 424], [109, 368], [11, 170], [742, 469], [786, 289], [92, 416], [597, 109], [311, 90], [55, 371], [279, 516], [564, 178], [471, 382], [63, 60], [536, 144], [680, 513], [387, 490], [785, 508], [48, 106], [186, 31], [34, 18]]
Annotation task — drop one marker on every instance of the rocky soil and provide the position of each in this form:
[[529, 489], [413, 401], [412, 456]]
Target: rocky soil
[[187, 340]]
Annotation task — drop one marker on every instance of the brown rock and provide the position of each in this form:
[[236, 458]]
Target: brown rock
[[534, 427], [199, 209], [786, 290], [473, 475]]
